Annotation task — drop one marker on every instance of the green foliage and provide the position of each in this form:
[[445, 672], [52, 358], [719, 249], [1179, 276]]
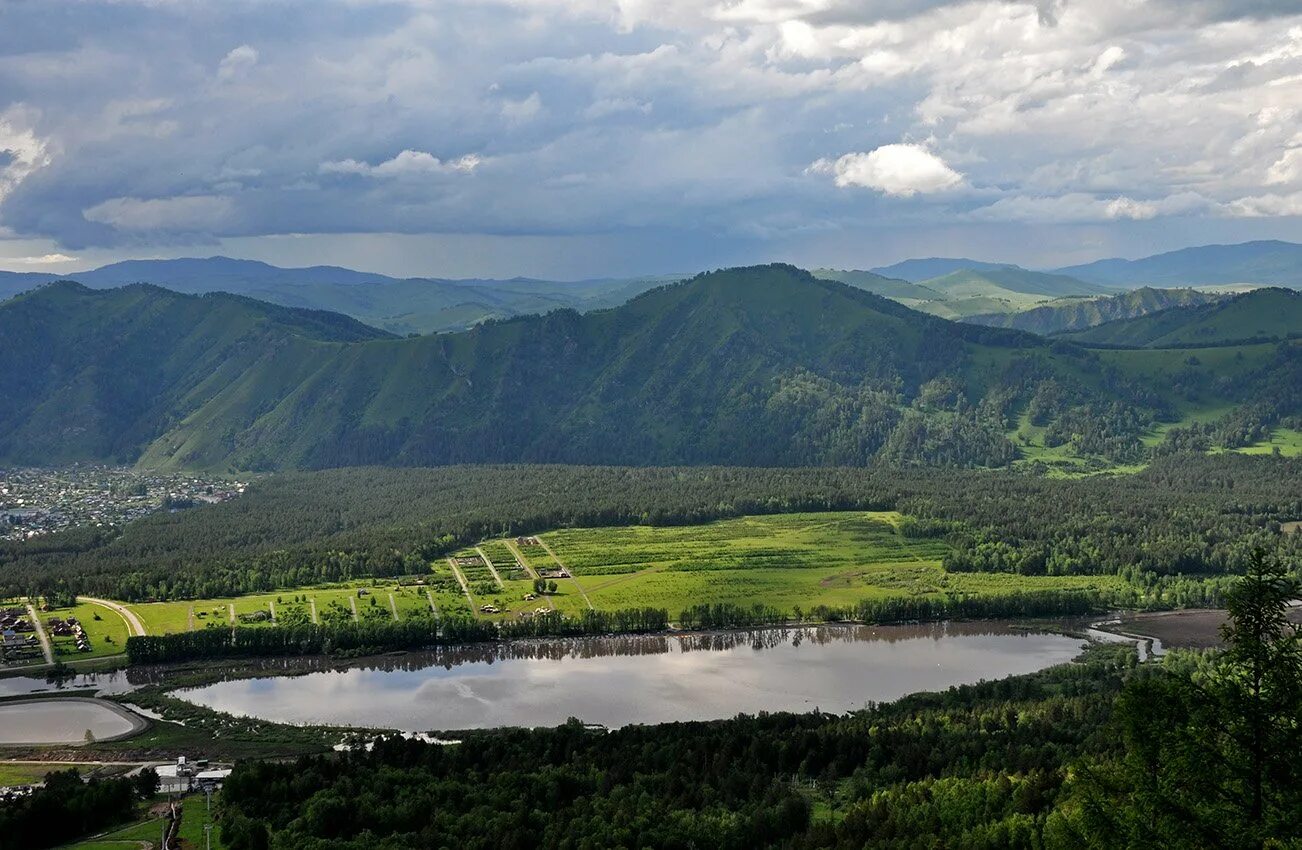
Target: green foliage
[[970, 767], [1183, 515], [757, 366], [1261, 314], [1073, 314], [64, 809], [1210, 751]]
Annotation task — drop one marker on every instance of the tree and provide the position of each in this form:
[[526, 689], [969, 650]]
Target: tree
[[146, 782], [1209, 744]]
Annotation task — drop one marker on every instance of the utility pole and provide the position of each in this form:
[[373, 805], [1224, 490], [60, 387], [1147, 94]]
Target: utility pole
[[207, 835]]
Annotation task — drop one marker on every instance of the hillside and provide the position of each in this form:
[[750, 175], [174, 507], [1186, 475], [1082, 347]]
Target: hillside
[[887, 287], [1080, 313], [1261, 314], [1267, 263], [969, 292], [96, 374], [756, 366], [398, 305], [918, 270]]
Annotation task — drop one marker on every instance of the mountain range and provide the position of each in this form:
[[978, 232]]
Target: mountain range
[[1270, 313], [1072, 314], [1265, 263], [765, 365], [398, 305]]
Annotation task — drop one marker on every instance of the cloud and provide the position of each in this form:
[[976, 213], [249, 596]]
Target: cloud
[[623, 117], [193, 214], [525, 109], [43, 260], [407, 163], [237, 63], [21, 152], [902, 170], [1079, 207]]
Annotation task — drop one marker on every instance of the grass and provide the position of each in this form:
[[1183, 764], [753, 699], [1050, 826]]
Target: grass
[[149, 830], [786, 561], [194, 814], [105, 629], [1287, 440], [26, 774]]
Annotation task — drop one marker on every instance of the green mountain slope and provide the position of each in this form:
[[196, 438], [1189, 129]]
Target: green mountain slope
[[972, 283], [1261, 314], [1080, 313], [755, 366], [1266, 263], [398, 305], [887, 287], [96, 374]]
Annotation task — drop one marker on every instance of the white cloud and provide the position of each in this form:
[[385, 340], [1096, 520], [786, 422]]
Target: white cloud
[[43, 260], [21, 152], [1266, 206], [187, 214], [902, 170], [1080, 207], [1286, 169], [407, 163], [520, 111], [237, 63]]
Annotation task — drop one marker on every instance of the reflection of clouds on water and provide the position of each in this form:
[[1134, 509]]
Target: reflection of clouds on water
[[616, 681]]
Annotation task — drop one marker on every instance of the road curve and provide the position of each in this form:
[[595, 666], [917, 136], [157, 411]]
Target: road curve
[[134, 626]]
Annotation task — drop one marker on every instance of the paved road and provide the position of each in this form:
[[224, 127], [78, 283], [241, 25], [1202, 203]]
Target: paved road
[[134, 626], [40, 635]]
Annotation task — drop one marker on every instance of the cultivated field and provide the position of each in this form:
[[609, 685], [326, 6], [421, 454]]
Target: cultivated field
[[788, 561]]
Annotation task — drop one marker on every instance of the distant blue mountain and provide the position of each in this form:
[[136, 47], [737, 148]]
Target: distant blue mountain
[[1269, 263], [398, 305], [915, 271]]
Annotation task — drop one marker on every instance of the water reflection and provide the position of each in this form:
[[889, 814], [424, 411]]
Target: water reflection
[[635, 679]]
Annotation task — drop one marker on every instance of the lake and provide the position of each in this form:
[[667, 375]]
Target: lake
[[642, 679], [64, 721]]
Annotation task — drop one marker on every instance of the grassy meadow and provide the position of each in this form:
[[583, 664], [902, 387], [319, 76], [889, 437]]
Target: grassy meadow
[[787, 561]]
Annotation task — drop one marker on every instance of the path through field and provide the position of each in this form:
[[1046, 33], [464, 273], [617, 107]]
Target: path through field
[[40, 634], [134, 626], [489, 562], [577, 586]]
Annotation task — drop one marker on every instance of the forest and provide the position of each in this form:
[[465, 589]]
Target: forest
[[1100, 754], [1184, 515]]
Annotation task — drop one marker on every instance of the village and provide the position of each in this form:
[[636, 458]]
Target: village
[[35, 502]]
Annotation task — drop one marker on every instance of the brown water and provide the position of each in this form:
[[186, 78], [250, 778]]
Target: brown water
[[62, 721], [647, 679]]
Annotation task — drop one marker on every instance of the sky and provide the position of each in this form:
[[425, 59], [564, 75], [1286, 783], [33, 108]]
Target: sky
[[583, 138]]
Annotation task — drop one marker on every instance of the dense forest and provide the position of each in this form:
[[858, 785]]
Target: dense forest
[[1100, 754], [68, 807], [752, 366], [1183, 515]]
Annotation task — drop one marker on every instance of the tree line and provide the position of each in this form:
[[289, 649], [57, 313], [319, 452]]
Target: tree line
[[1183, 515], [1194, 752]]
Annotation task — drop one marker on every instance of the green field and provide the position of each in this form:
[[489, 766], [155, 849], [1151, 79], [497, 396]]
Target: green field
[[787, 561], [105, 629], [139, 835]]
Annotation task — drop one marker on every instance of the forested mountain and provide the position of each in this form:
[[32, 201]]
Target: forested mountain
[[758, 366], [399, 305], [968, 292], [1269, 263], [887, 287], [918, 270], [1261, 314], [1081, 313], [97, 374]]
